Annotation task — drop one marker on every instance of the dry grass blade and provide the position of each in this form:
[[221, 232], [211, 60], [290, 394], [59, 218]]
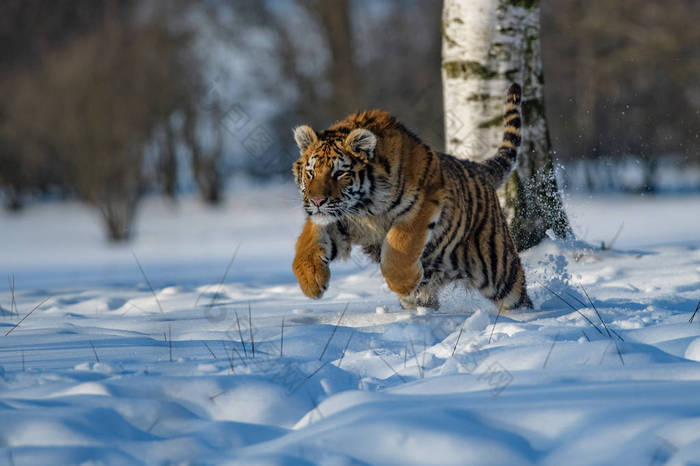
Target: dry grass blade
[[282, 340], [391, 368], [13, 301], [333, 332], [222, 280], [134, 306], [23, 361], [596, 311], [97, 358], [217, 395], [415, 355], [250, 330], [494, 323], [170, 342], [28, 314], [148, 282], [697, 308], [240, 357], [342, 356], [617, 334], [229, 357], [575, 298], [240, 335], [157, 420], [572, 307], [301, 384], [608, 247], [584, 334], [461, 329], [619, 353], [549, 353], [210, 351]]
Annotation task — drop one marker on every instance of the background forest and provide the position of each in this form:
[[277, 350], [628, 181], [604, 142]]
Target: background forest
[[110, 100]]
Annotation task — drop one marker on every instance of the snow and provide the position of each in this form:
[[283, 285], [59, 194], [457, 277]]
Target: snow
[[100, 374]]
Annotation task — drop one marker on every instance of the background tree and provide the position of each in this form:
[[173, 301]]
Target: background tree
[[222, 83], [29, 29], [487, 44], [322, 60], [95, 104], [622, 82], [203, 136]]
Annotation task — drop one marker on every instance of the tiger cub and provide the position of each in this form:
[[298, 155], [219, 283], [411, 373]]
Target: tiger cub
[[427, 218]]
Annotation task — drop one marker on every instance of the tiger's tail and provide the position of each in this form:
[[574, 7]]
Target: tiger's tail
[[502, 164]]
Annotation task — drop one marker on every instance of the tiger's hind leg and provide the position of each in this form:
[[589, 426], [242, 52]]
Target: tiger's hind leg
[[517, 299], [498, 275], [511, 289], [509, 292]]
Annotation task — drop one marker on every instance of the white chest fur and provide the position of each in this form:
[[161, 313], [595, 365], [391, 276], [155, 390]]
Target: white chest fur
[[368, 230]]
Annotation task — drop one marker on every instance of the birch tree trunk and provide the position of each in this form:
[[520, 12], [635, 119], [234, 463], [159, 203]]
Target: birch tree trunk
[[487, 45]]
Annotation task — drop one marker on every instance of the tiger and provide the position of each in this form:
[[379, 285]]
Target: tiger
[[427, 218]]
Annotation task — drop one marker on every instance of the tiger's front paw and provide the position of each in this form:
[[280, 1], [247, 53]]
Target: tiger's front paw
[[402, 280], [312, 272]]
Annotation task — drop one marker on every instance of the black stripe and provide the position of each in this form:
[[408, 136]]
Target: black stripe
[[456, 216], [508, 153], [479, 204], [453, 259], [493, 255], [512, 137], [499, 163], [407, 208], [447, 241], [399, 197], [333, 133], [478, 228], [509, 282], [384, 162], [523, 297], [467, 262], [429, 248], [471, 199], [514, 122], [479, 256], [402, 186], [425, 170], [369, 170], [334, 250]]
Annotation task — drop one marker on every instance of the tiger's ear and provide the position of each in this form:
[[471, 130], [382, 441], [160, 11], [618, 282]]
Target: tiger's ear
[[304, 137], [362, 140]]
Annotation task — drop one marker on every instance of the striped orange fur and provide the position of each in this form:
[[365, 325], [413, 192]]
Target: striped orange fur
[[427, 218]]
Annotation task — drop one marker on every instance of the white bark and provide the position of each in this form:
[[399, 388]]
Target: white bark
[[482, 55]]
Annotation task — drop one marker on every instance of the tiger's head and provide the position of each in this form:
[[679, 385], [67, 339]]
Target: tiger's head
[[334, 172]]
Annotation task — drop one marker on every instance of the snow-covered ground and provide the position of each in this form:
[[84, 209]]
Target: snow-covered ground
[[251, 372]]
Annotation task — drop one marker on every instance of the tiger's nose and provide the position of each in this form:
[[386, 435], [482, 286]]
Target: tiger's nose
[[318, 201]]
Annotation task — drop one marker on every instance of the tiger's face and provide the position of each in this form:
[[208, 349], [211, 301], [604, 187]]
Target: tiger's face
[[334, 173]]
